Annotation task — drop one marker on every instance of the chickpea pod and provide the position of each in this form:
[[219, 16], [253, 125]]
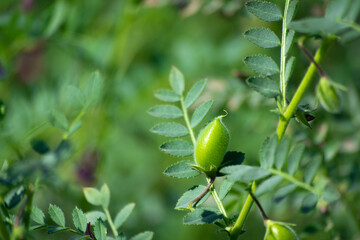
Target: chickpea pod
[[279, 231]]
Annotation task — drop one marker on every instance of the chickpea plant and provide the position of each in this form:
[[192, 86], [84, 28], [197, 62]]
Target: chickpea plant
[[286, 167]]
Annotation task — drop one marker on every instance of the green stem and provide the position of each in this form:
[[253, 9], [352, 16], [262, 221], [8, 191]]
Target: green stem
[[3, 230], [111, 223], [237, 229], [218, 201], [290, 111], [78, 118], [295, 181], [187, 122], [283, 56]]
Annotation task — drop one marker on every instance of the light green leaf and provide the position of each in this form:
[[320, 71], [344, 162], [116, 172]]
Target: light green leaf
[[264, 10], [170, 129], [289, 40], [284, 192], [281, 153], [37, 215], [167, 95], [123, 215], [268, 185], [100, 230], [180, 148], [318, 26], [202, 216], [336, 9], [165, 111], [312, 168], [245, 173], [262, 37], [79, 219], [289, 68], [57, 18], [295, 157], [190, 195], [92, 216], [200, 112], [291, 11], [57, 215], [262, 64], [225, 188], [265, 86], [105, 195], [59, 120], [176, 79], [74, 97], [267, 152], [93, 89], [143, 236], [194, 92], [93, 196], [181, 170]]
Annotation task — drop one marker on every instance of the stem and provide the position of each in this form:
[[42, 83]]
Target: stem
[[186, 118], [264, 216], [283, 55], [198, 198], [3, 230], [218, 201], [78, 118], [111, 224], [311, 58], [305, 82], [237, 229], [295, 181], [193, 139]]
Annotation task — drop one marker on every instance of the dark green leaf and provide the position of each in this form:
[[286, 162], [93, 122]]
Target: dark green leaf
[[202, 216], [336, 9], [289, 40], [295, 157], [309, 203], [330, 193], [167, 95], [353, 11], [170, 129], [265, 86], [289, 68], [190, 195], [267, 152], [181, 170], [57, 18], [38, 227], [264, 10], [14, 196], [268, 185], [165, 111], [317, 26], [194, 93], [281, 153], [37, 215], [200, 112], [39, 146], [262, 37], [57, 215], [143, 236], [176, 79], [123, 215], [233, 158], [262, 64], [312, 168], [100, 230], [53, 230], [179, 148], [291, 11], [245, 173], [284, 192], [225, 188], [79, 219]]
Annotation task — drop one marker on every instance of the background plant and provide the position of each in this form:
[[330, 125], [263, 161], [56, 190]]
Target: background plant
[[46, 46]]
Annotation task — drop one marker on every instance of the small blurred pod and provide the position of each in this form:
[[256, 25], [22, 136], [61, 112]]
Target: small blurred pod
[[328, 94]]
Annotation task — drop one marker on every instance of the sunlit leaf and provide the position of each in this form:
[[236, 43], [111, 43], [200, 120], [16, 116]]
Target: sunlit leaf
[[194, 93], [200, 112], [123, 215], [165, 111], [167, 95], [170, 129], [57, 215], [180, 148], [176, 79], [264, 10]]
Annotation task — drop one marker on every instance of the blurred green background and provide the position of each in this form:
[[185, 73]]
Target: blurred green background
[[46, 45]]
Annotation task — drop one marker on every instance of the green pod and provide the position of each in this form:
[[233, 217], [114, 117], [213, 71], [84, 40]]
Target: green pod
[[279, 231], [211, 145], [328, 95]]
